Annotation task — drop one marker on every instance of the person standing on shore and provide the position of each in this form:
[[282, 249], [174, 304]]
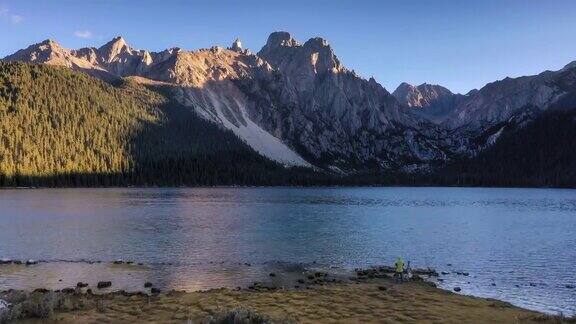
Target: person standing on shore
[[408, 272], [399, 269]]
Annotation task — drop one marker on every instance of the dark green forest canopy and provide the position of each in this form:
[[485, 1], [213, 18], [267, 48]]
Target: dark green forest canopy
[[55, 121], [542, 154]]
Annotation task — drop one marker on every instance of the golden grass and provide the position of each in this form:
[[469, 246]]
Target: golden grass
[[334, 303]]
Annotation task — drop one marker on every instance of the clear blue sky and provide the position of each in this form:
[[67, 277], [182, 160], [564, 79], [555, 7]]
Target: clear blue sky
[[460, 44]]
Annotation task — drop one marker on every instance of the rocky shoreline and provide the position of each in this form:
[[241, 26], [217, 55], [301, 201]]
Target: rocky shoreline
[[260, 301]]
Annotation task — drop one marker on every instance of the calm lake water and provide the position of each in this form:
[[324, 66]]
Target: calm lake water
[[517, 245]]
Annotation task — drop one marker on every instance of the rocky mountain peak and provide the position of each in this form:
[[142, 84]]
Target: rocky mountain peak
[[46, 46], [304, 61], [316, 43], [236, 46], [432, 101], [421, 96], [569, 66], [49, 42], [281, 39], [404, 90], [117, 42], [114, 48], [43, 52], [50, 46], [407, 94], [434, 90]]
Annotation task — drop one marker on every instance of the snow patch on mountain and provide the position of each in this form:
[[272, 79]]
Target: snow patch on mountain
[[494, 137], [228, 109], [260, 140], [268, 145]]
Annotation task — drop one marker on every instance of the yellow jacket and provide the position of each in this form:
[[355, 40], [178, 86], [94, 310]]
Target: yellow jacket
[[399, 265]]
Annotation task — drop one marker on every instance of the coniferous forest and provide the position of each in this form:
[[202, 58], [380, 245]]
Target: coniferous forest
[[64, 128], [542, 154]]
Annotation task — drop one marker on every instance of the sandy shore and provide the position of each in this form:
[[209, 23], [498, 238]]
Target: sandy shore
[[371, 297]]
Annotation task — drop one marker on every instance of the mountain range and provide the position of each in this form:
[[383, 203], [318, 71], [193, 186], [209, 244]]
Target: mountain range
[[297, 104]]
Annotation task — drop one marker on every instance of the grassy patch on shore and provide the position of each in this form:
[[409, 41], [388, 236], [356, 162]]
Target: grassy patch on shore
[[378, 300]]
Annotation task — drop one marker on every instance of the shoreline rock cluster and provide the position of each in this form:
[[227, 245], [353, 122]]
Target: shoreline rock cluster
[[18, 262], [388, 272]]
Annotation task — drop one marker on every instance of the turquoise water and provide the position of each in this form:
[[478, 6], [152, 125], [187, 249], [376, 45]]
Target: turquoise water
[[517, 245]]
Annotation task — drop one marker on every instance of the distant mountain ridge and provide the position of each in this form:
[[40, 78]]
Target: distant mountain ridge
[[297, 104], [499, 100], [433, 102], [493, 103], [112, 60]]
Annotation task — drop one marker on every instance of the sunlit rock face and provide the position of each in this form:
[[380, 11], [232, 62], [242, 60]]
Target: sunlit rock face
[[296, 103], [113, 60]]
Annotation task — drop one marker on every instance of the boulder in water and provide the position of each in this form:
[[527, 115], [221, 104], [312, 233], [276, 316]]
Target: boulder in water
[[104, 284]]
